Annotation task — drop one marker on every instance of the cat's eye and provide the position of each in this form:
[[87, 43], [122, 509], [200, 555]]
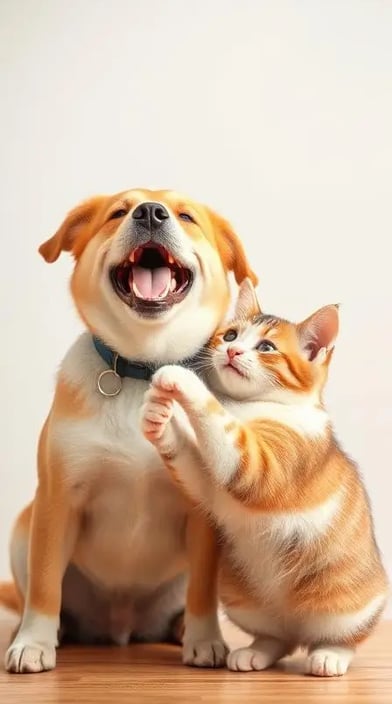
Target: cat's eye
[[120, 213], [186, 216], [230, 335], [266, 346]]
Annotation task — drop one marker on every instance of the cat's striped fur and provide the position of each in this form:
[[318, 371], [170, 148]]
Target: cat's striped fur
[[298, 562]]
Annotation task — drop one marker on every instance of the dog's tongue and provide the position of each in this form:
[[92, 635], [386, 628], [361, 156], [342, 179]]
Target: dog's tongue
[[150, 283]]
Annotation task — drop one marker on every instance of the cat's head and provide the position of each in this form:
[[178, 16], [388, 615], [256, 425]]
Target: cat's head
[[258, 356]]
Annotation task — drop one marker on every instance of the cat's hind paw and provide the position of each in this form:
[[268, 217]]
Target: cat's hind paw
[[262, 653], [248, 659], [330, 661]]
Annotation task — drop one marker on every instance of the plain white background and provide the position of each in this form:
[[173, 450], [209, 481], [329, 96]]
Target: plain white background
[[278, 114]]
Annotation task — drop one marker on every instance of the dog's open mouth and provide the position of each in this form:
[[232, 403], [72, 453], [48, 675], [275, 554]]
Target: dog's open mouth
[[150, 278]]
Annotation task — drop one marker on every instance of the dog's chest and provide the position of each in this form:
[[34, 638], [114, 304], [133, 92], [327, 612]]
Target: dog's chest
[[133, 517], [132, 532]]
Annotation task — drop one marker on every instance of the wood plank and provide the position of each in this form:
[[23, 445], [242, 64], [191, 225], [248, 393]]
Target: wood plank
[[154, 674]]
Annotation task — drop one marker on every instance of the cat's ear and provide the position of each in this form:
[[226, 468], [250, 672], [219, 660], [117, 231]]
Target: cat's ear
[[247, 302], [317, 334]]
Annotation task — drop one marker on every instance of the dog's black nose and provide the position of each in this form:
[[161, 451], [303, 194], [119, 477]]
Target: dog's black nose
[[150, 214]]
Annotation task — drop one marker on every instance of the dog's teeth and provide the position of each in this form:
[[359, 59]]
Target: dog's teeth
[[170, 259], [132, 257], [164, 293], [173, 284], [136, 290]]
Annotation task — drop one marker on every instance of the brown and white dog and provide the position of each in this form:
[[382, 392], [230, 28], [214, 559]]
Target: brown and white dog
[[103, 543]]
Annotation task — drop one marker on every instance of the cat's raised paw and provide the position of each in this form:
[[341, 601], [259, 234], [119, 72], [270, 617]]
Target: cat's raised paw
[[179, 383], [328, 662], [30, 657], [172, 379], [155, 415], [205, 653]]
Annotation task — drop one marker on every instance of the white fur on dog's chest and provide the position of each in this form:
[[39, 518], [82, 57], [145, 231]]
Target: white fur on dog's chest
[[133, 515]]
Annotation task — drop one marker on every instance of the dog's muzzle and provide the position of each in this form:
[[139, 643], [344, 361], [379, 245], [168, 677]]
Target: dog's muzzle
[[152, 277]]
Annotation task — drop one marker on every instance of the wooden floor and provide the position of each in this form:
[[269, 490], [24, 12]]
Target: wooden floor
[[154, 675]]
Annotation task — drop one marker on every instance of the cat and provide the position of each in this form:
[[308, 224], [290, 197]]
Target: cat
[[298, 562]]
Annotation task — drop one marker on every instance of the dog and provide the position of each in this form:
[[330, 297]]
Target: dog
[[100, 553]]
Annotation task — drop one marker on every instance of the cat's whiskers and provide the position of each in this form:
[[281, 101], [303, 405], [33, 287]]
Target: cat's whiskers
[[201, 366]]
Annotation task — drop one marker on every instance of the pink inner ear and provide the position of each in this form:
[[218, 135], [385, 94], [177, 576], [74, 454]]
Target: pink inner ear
[[320, 330], [312, 350]]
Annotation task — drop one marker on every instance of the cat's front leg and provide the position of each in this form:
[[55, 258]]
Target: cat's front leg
[[159, 425], [215, 429], [156, 415], [166, 426], [182, 384], [175, 435]]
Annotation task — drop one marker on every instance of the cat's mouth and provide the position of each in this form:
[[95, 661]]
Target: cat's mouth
[[230, 366]]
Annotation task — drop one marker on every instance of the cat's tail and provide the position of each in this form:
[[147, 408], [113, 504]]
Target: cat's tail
[[9, 597]]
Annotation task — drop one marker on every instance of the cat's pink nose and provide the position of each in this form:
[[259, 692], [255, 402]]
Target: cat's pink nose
[[233, 351]]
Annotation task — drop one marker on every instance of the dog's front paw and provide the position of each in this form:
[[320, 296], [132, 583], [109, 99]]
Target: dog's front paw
[[205, 653], [23, 657], [156, 413]]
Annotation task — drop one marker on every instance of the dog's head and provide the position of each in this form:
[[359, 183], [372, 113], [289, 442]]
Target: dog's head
[[151, 270]]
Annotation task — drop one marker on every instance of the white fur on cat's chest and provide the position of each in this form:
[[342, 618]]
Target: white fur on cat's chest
[[259, 540]]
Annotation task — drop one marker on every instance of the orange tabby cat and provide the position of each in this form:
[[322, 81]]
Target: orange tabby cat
[[299, 565]]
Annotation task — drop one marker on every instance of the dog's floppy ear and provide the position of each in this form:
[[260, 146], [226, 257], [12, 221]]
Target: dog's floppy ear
[[232, 251], [64, 239]]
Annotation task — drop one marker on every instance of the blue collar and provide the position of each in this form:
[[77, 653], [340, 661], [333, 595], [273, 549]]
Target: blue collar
[[125, 367]]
